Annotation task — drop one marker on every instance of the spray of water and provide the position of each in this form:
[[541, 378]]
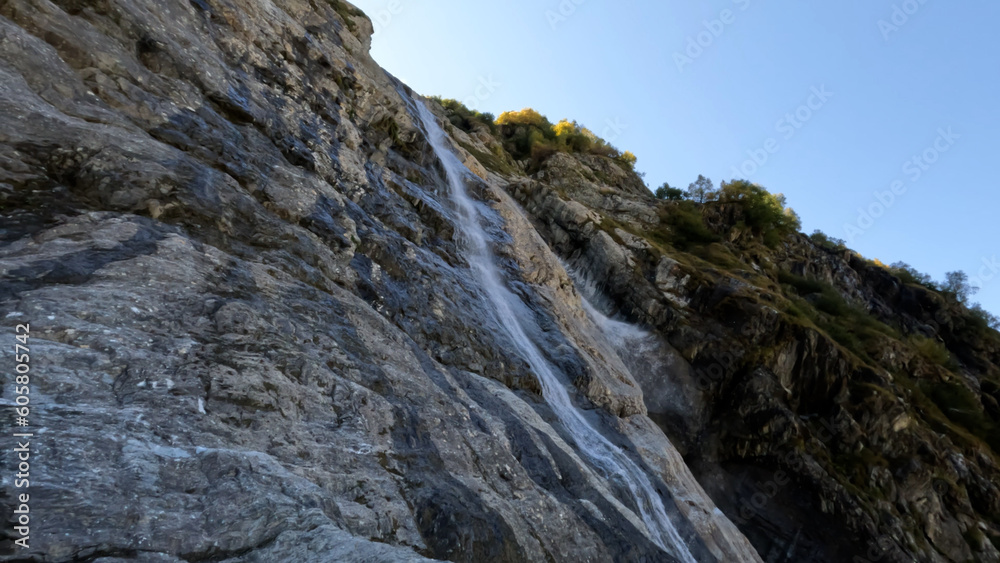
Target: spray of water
[[600, 452], [643, 352]]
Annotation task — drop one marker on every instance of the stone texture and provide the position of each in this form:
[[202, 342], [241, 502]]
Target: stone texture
[[816, 454], [253, 334]]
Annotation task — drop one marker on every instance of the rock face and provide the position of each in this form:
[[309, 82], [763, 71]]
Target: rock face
[[255, 337], [833, 411]]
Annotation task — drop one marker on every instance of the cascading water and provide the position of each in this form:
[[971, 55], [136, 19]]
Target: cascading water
[[598, 450], [643, 352]]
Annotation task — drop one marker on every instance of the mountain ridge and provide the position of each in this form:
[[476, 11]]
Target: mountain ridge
[[233, 240], [936, 355]]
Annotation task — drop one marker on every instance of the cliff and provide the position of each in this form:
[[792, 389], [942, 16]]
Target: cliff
[[258, 332]]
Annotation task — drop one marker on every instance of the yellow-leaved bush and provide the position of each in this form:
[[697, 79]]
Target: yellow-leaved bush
[[527, 134]]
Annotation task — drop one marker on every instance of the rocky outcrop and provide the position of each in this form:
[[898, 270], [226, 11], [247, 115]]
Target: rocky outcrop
[[818, 445], [253, 336]]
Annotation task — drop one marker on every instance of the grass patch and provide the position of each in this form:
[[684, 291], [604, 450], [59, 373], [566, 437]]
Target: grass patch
[[496, 163], [975, 538], [962, 407], [465, 118], [389, 127], [856, 468], [802, 286], [849, 325], [719, 255], [937, 420], [933, 351], [683, 227]]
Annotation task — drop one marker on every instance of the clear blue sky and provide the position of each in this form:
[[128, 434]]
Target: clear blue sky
[[895, 81]]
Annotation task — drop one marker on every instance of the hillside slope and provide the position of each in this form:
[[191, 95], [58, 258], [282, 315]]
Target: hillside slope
[[257, 333], [833, 407]]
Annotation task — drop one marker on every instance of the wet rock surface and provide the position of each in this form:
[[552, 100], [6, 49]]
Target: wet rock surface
[[253, 334], [816, 451]]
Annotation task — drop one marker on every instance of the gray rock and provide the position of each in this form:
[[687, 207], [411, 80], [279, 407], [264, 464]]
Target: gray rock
[[253, 335]]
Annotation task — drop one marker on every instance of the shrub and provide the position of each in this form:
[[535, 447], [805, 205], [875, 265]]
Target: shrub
[[957, 286], [573, 137], [931, 350], [565, 128], [764, 213], [464, 118], [822, 240], [910, 275], [851, 326], [628, 159], [831, 303], [526, 116], [347, 13], [687, 226], [701, 190], [964, 408], [529, 134], [540, 152], [497, 160], [984, 319], [803, 286], [668, 193], [604, 149]]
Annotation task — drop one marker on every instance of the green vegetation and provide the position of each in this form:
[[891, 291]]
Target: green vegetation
[[801, 285], [933, 351], [849, 325], [764, 213], [957, 287], [685, 226], [856, 467], [701, 190], [690, 222], [961, 406], [934, 413], [719, 254], [833, 244], [498, 161], [464, 118], [975, 538], [982, 319], [527, 134], [910, 275], [389, 127], [668, 193]]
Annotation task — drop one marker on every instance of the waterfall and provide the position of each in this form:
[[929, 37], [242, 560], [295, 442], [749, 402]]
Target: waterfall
[[644, 352], [598, 450]]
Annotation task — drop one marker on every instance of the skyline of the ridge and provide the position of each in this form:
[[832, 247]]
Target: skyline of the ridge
[[873, 118]]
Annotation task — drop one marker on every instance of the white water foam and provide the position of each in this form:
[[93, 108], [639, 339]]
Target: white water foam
[[600, 452]]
